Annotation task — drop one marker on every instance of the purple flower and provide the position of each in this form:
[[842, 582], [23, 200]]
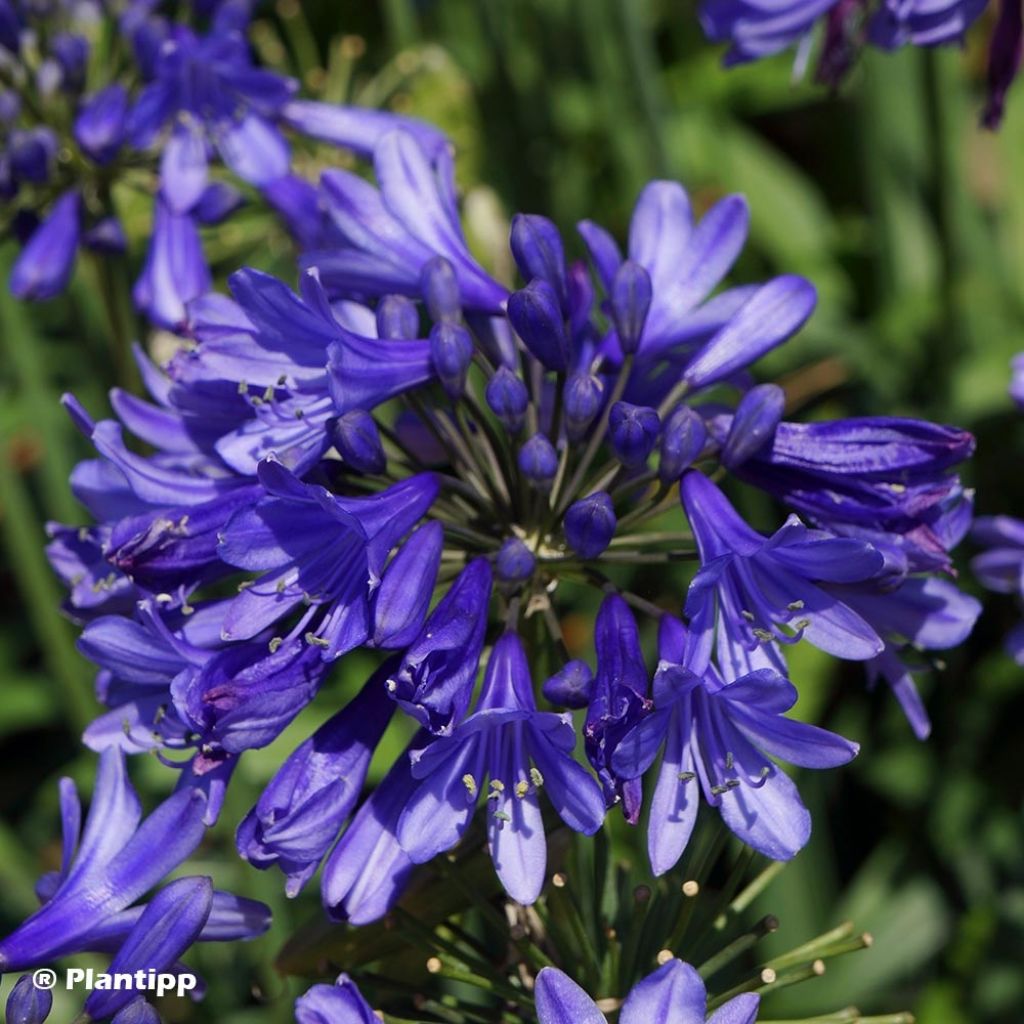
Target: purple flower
[[89, 905], [754, 593], [687, 335], [618, 700], [1004, 57], [886, 480], [318, 551], [1001, 566], [388, 236], [302, 809], [719, 737], [756, 29], [521, 751], [43, 268], [923, 22], [673, 994], [340, 1003]]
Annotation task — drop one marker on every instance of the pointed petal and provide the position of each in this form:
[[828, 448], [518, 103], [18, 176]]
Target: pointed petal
[[561, 1001]]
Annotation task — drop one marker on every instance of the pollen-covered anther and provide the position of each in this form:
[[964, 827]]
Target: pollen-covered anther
[[522, 788], [536, 778], [470, 783]]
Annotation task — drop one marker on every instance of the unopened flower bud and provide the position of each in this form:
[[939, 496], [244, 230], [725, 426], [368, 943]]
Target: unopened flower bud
[[451, 351], [27, 1004], [633, 433], [508, 398], [682, 442], [441, 290], [753, 425], [538, 461], [101, 124], [572, 687], [515, 561], [32, 153], [536, 314], [538, 251], [357, 439], [581, 402], [630, 302], [590, 524], [397, 318]]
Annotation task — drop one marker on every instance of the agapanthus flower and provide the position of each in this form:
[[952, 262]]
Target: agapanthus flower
[[719, 737], [673, 994], [409, 457], [92, 902], [1001, 566], [761, 28], [201, 96]]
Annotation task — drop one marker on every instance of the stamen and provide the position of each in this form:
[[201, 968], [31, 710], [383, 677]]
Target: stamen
[[470, 783], [536, 778]]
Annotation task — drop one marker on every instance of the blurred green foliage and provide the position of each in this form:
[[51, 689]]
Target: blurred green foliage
[[908, 219]]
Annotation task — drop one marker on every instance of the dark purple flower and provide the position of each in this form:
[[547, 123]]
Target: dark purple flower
[[536, 315], [28, 1004], [434, 682], [633, 432], [1004, 58], [100, 126], [756, 29], [515, 562], [618, 702], [590, 524], [521, 751], [1001, 566], [508, 399], [538, 461], [682, 441]]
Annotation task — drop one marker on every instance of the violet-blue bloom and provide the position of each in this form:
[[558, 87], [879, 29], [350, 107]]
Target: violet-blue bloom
[[109, 865], [521, 751], [922, 22], [754, 593], [673, 994], [718, 737], [759, 28]]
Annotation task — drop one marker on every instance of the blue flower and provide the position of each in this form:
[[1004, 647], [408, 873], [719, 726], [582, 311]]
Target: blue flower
[[923, 22], [91, 904], [673, 994], [505, 752], [757, 30], [719, 736], [754, 593]]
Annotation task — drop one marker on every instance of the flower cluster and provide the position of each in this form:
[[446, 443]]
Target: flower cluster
[[674, 994], [91, 903], [755, 29], [407, 457], [91, 103]]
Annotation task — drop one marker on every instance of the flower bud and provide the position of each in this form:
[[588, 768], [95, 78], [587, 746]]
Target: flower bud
[[515, 561], [451, 351], [217, 202], [397, 318], [27, 1004], [572, 687], [682, 442], [633, 432], [753, 425], [71, 53], [440, 290], [100, 126], [581, 402], [357, 439], [138, 1011], [105, 235], [538, 461], [31, 154], [507, 397], [536, 315], [590, 524], [537, 248], [630, 302], [44, 266]]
